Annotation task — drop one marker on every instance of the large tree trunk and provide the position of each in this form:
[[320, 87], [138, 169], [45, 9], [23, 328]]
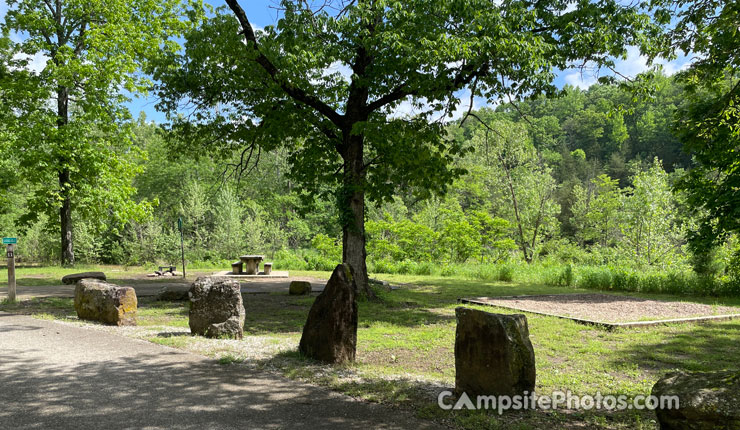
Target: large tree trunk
[[352, 214], [65, 212]]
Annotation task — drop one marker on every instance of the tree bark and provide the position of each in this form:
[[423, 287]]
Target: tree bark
[[353, 213], [65, 212]]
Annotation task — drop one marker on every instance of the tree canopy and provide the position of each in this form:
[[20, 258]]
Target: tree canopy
[[72, 138], [283, 85], [709, 123]]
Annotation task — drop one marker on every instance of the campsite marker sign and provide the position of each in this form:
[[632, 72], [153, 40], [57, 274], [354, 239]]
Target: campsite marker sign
[[10, 253]]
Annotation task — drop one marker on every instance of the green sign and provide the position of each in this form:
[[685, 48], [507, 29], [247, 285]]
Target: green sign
[[9, 240]]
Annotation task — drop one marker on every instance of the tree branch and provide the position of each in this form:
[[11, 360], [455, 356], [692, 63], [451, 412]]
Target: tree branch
[[291, 90], [464, 77]]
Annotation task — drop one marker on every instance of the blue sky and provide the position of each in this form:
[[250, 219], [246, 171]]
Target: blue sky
[[263, 12]]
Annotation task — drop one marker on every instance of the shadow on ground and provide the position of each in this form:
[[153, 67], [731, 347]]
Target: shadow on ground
[[693, 347], [167, 390]]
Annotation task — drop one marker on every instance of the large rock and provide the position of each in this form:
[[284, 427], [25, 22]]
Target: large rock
[[106, 303], [330, 333], [299, 288], [493, 354], [73, 278], [216, 308], [706, 400], [172, 294]]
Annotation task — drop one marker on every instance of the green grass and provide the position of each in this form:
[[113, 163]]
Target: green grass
[[52, 275], [171, 341], [227, 359], [154, 313], [405, 348], [49, 306]]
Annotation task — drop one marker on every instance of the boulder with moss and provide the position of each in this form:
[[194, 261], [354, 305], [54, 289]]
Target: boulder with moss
[[299, 288], [493, 354], [75, 277], [706, 400], [330, 333], [103, 302]]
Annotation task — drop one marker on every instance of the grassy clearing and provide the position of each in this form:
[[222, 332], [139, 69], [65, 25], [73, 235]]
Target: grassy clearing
[[42, 276], [52, 275], [405, 349]]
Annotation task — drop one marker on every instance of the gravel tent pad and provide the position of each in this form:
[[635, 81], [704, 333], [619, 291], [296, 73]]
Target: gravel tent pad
[[610, 310]]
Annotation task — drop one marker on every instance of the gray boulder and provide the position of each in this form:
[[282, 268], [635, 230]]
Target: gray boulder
[[106, 303], [706, 400], [216, 308], [330, 333], [299, 288], [493, 354], [170, 294], [73, 278]]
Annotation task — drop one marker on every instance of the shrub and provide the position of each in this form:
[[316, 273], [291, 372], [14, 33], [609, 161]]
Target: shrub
[[486, 272], [285, 259], [505, 273], [566, 277], [424, 269], [383, 266], [320, 263], [405, 267], [449, 270], [596, 279], [327, 247]]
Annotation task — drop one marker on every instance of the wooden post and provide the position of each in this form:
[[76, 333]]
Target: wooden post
[[11, 272]]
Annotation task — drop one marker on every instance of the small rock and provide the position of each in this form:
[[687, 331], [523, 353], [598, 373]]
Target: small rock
[[106, 303], [381, 284], [706, 400], [167, 274], [151, 275], [73, 278], [493, 354], [216, 308], [298, 288], [330, 333]]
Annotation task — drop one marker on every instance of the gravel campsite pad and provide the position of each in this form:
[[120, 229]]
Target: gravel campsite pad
[[606, 308]]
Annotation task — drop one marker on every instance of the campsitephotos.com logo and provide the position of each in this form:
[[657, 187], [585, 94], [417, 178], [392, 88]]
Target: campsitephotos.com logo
[[557, 400]]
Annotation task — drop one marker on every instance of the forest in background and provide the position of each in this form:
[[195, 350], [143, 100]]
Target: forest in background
[[581, 187]]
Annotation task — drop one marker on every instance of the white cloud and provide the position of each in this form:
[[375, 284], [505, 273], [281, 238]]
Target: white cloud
[[570, 8], [408, 109], [464, 105], [341, 68], [580, 79], [675, 66], [631, 66], [634, 64], [36, 63]]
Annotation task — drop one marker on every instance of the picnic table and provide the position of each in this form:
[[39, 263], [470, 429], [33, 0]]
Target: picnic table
[[251, 263]]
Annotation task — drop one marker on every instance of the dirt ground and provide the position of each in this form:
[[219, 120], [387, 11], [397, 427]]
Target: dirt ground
[[145, 286], [608, 308]]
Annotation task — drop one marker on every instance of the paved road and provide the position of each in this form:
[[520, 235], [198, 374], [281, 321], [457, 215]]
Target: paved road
[[59, 376]]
